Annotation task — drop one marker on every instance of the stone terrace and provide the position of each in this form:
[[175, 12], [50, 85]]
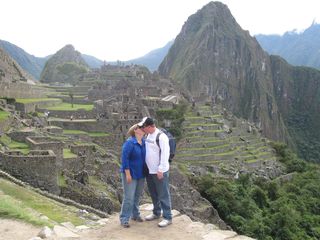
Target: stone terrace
[[224, 145]]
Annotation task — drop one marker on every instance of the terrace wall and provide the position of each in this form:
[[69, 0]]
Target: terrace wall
[[39, 168]]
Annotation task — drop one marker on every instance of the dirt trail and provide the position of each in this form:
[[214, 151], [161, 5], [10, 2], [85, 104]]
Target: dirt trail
[[16, 230], [183, 228]]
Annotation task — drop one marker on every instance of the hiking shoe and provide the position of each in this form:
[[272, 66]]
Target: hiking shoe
[[151, 217], [137, 219], [125, 225], [164, 223]]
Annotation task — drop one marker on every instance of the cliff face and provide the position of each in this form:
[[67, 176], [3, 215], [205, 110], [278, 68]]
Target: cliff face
[[218, 61], [10, 71], [213, 57], [28, 62], [65, 66], [297, 92]]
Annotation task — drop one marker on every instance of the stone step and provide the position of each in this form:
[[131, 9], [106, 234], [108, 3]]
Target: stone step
[[215, 149], [207, 156], [207, 133]]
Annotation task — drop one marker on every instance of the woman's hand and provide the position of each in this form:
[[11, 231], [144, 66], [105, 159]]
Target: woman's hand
[[128, 176]]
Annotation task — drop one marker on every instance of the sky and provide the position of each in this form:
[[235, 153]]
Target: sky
[[113, 30]]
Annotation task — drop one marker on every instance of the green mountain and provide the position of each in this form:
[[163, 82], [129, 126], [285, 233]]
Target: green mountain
[[66, 66], [301, 49], [217, 61]]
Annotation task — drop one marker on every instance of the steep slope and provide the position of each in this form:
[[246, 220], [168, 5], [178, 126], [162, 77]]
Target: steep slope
[[216, 60], [29, 63], [297, 92], [300, 49], [65, 66], [217, 142], [10, 71]]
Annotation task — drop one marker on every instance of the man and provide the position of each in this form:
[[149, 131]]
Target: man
[[157, 160]]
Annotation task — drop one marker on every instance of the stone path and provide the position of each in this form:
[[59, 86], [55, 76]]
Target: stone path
[[183, 228]]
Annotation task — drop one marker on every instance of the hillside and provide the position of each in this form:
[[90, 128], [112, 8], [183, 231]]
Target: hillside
[[31, 64], [217, 61], [65, 66], [298, 48]]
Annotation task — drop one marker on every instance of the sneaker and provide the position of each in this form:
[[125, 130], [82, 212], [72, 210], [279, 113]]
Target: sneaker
[[137, 219], [164, 223], [125, 225], [151, 217]]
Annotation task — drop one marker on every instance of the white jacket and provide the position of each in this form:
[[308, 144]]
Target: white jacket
[[154, 161]]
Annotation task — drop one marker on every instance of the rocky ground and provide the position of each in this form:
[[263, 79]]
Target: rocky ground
[[182, 228]]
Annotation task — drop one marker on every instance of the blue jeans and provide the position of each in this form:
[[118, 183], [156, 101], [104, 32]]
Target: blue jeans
[[131, 198], [160, 194]]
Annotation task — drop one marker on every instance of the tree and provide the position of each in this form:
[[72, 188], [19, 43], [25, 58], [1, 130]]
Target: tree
[[71, 98]]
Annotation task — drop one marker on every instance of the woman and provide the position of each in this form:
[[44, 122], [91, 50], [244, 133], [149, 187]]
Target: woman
[[132, 162]]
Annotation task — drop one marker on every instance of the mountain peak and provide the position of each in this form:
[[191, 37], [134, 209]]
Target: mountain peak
[[64, 66]]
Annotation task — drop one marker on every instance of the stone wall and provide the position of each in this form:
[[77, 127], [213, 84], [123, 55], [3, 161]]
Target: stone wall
[[20, 136], [5, 125], [45, 143], [21, 90], [54, 130], [79, 114], [87, 126], [32, 107], [39, 168]]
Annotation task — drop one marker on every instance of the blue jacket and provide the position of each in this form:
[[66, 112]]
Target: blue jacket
[[133, 157]]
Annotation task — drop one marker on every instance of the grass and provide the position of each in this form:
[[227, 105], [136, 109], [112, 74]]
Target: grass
[[75, 132], [68, 154], [62, 181], [97, 184], [68, 107], [11, 208], [13, 145], [91, 134], [21, 203], [4, 115], [98, 134], [33, 100]]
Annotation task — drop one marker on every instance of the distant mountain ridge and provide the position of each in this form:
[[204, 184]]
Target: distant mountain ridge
[[33, 65], [300, 49], [152, 59]]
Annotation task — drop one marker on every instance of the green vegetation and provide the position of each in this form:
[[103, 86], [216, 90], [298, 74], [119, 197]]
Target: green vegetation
[[71, 68], [176, 115], [4, 115], [68, 107], [277, 209], [20, 203], [91, 134], [68, 154], [34, 100], [62, 181], [13, 145], [97, 183]]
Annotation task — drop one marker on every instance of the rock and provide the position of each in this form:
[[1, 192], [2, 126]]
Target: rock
[[103, 221], [63, 232], [219, 235], [46, 232]]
